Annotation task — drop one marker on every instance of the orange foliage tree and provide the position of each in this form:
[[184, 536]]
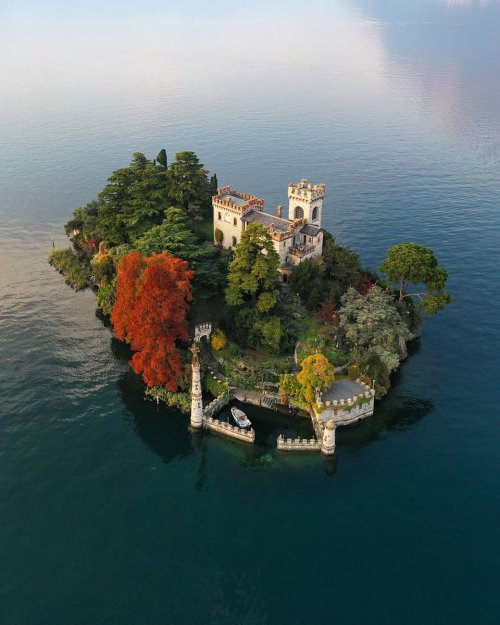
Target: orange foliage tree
[[316, 372], [152, 300]]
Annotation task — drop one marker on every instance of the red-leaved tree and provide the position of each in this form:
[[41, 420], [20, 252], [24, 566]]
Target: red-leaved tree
[[152, 300]]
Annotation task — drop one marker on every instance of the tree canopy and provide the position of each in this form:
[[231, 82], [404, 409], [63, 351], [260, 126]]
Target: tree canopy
[[411, 263], [133, 201], [253, 288], [189, 184], [173, 235], [341, 263], [152, 300], [375, 329], [307, 281], [253, 273], [316, 372]]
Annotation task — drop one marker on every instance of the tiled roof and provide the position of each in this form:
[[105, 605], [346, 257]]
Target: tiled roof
[[266, 220], [311, 230]]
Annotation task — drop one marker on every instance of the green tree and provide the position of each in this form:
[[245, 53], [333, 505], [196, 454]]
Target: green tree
[[213, 185], [307, 281], [106, 295], [82, 227], [189, 184], [375, 330], [161, 159], [411, 263], [289, 385], [316, 373], [253, 288], [133, 201], [341, 264], [254, 278], [174, 235]]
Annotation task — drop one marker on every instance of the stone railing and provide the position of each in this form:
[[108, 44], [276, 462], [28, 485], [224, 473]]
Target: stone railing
[[297, 444], [301, 251], [222, 427]]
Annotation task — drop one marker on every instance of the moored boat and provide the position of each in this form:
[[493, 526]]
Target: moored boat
[[240, 417]]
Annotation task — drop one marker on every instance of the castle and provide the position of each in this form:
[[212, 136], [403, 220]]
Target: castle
[[295, 239]]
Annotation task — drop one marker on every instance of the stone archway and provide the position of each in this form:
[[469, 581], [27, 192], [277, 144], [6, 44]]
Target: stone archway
[[298, 213]]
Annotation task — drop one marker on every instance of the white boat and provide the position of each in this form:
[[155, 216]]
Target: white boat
[[240, 417]]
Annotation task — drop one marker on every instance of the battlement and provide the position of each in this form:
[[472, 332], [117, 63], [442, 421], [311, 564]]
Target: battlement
[[228, 197], [305, 190]]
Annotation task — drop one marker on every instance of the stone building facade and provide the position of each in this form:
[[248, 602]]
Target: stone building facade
[[295, 238]]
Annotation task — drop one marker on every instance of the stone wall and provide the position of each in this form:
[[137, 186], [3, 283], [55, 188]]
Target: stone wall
[[216, 404], [348, 415], [297, 444], [226, 224], [222, 427]]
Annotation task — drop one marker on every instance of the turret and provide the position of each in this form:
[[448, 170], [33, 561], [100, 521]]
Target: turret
[[328, 442], [305, 200], [196, 398]]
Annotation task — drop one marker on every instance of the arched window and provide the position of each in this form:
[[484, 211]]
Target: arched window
[[235, 223], [285, 278], [234, 241], [220, 216], [315, 213], [299, 212]]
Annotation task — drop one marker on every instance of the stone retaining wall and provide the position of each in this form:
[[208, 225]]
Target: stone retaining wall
[[215, 405], [347, 416], [222, 427], [297, 444]]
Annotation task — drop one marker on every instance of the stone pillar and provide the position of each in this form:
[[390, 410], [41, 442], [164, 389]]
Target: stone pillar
[[328, 442], [196, 399]]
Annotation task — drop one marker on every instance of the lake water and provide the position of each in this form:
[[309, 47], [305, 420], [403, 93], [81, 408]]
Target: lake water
[[111, 511]]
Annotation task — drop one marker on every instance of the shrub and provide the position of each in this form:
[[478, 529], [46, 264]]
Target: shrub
[[219, 340], [102, 266], [219, 236], [213, 385], [354, 371], [182, 401], [106, 295], [73, 270]]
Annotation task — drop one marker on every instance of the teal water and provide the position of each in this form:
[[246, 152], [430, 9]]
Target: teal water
[[110, 510]]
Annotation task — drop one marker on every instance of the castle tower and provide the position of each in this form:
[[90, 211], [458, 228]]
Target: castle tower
[[305, 201], [328, 442], [196, 399]]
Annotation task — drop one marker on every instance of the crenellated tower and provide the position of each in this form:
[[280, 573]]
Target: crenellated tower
[[305, 201]]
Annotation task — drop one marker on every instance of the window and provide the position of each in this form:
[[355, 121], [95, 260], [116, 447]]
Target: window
[[285, 278], [220, 217], [299, 212], [315, 213], [234, 241], [235, 221]]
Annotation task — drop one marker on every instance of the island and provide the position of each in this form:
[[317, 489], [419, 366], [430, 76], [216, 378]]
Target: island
[[216, 295]]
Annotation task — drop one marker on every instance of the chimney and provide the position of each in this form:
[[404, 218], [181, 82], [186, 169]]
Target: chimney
[[280, 211]]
